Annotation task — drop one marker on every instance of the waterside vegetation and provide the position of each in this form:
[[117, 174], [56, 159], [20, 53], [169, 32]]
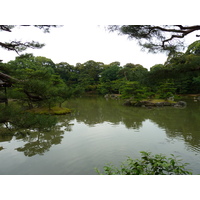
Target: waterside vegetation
[[148, 165], [40, 86], [39, 79]]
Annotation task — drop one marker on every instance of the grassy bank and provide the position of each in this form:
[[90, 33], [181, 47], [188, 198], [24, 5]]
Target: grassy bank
[[52, 111]]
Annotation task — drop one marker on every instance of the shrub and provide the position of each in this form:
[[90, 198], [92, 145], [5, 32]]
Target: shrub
[[148, 165], [166, 90], [133, 89]]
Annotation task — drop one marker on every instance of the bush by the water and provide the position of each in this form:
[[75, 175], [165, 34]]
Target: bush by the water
[[148, 165]]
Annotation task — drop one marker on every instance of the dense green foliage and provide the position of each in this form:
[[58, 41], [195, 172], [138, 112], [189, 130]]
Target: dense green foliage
[[148, 165], [44, 80], [178, 75], [39, 82]]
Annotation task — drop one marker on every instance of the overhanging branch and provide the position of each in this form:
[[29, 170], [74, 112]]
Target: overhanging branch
[[186, 31]]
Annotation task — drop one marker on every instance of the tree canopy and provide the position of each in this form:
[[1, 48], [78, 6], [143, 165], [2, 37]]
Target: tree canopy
[[157, 38]]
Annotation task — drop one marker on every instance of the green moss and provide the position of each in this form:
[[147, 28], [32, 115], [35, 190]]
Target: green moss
[[52, 111], [158, 100], [171, 101]]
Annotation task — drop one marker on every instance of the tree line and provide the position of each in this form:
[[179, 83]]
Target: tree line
[[38, 81]]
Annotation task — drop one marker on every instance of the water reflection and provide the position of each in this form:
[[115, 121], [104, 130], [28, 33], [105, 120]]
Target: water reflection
[[182, 123], [177, 123], [36, 142], [93, 111], [39, 143]]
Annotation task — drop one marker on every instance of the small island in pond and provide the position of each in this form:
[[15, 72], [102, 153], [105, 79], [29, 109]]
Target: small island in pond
[[148, 102], [155, 103]]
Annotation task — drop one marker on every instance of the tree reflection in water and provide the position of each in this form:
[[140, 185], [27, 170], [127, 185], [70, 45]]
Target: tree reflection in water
[[177, 123], [41, 142], [93, 111], [39, 139], [180, 123]]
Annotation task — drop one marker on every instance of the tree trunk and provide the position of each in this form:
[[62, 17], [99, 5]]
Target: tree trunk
[[6, 98]]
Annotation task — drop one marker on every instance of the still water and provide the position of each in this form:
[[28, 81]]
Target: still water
[[100, 131]]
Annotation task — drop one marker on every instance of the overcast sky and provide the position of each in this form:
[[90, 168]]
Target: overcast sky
[[80, 43]]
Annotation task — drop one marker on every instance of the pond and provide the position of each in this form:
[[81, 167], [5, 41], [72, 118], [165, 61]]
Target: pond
[[100, 131]]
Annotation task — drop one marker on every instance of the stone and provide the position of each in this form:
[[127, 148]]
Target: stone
[[171, 98], [182, 103], [127, 103], [159, 104], [112, 96], [106, 96], [167, 103]]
